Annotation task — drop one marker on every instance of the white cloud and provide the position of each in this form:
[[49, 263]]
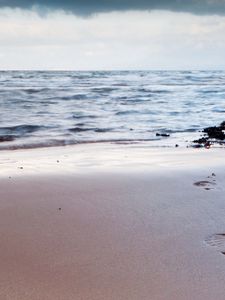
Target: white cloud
[[119, 40]]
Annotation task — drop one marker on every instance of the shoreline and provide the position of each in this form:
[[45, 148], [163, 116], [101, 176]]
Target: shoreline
[[85, 158], [112, 222]]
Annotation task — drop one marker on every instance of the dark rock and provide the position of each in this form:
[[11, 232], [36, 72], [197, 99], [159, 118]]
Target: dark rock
[[201, 140], [212, 135], [215, 132], [222, 125]]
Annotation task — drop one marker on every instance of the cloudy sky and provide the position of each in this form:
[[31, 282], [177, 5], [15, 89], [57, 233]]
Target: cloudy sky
[[119, 34]]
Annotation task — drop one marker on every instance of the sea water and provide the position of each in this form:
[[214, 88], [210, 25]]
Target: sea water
[[163, 108]]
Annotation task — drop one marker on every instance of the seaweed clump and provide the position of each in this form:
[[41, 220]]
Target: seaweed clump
[[212, 135]]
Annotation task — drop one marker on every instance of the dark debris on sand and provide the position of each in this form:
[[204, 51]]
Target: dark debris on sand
[[212, 135]]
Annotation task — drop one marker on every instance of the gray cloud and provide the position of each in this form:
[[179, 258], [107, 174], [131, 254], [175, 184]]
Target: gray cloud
[[95, 6]]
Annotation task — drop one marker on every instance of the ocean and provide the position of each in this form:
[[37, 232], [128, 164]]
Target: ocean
[[163, 108]]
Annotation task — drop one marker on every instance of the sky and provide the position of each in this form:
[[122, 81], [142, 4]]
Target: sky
[[112, 35]]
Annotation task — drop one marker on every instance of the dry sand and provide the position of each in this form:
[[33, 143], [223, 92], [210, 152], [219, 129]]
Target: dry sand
[[110, 222]]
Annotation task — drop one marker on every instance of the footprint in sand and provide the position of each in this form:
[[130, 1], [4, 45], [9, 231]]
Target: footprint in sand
[[207, 184], [217, 241]]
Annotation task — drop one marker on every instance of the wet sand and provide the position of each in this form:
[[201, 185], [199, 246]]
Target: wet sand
[[112, 222]]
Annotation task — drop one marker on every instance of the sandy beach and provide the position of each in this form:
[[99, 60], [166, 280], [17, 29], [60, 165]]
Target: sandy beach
[[112, 222]]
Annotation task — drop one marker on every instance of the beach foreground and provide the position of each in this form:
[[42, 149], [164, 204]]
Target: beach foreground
[[112, 222]]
